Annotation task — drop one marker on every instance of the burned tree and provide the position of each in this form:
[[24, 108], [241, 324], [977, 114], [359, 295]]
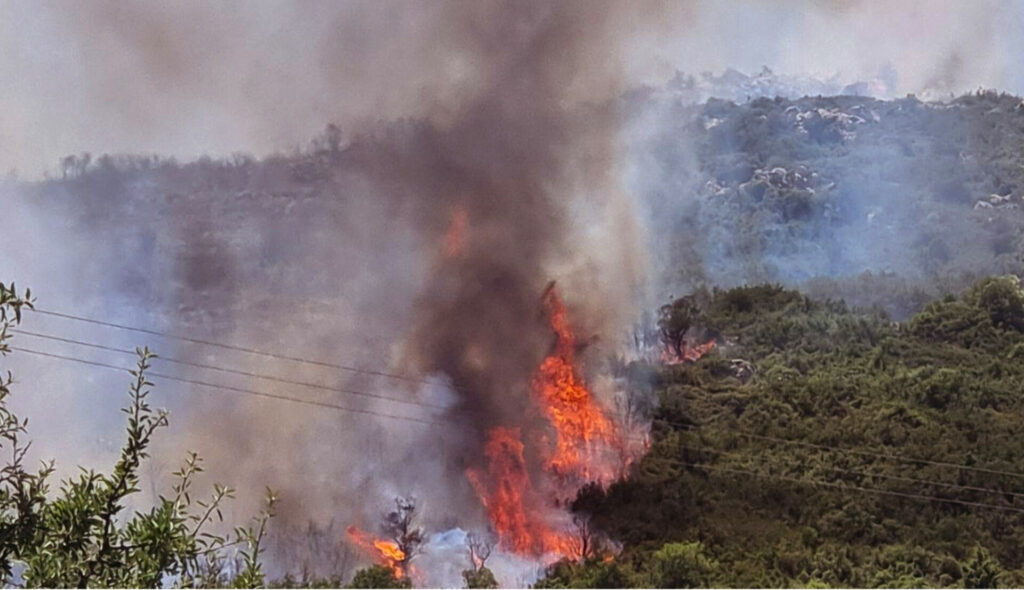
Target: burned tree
[[586, 541], [480, 548], [675, 320], [479, 576], [398, 524]]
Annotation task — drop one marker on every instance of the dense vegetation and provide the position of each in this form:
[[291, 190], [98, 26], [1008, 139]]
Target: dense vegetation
[[861, 452]]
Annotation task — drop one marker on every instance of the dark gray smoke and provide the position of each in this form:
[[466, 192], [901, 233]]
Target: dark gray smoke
[[512, 166]]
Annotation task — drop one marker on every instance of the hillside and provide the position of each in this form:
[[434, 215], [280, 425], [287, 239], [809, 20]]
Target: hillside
[[927, 196], [774, 458], [851, 452]]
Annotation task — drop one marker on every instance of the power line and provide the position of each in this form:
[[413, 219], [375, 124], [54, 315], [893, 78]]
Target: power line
[[886, 456], [227, 370], [234, 347], [881, 475], [231, 388], [669, 459], [847, 487]]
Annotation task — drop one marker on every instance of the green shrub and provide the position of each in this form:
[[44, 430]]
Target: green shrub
[[82, 536], [683, 565], [378, 576]]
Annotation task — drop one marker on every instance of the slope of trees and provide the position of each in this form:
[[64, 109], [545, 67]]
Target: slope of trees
[[927, 197], [861, 453]]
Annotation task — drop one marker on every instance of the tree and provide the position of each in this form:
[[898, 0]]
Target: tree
[[675, 320], [82, 536], [592, 573], [585, 540], [479, 575], [398, 524], [683, 565], [1002, 298], [981, 571], [329, 141], [378, 576]]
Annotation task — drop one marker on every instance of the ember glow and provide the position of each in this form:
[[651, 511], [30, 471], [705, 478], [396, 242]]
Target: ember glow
[[691, 354], [455, 237], [386, 553]]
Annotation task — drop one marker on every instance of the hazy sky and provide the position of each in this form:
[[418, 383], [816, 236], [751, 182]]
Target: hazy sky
[[188, 77]]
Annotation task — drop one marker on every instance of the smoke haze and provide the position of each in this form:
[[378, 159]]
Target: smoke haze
[[485, 150], [188, 78]]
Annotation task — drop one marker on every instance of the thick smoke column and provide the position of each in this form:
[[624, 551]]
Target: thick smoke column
[[503, 175], [510, 187]]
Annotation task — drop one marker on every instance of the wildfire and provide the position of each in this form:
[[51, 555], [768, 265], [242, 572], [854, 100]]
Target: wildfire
[[587, 446], [455, 237], [582, 430], [386, 553], [691, 354], [509, 498]]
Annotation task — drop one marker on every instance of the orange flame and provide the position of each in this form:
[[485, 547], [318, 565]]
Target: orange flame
[[455, 237], [583, 431], [587, 446], [691, 354], [509, 498], [386, 553]]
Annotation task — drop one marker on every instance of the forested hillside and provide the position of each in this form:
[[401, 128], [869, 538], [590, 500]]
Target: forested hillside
[[925, 196], [818, 446], [856, 424]]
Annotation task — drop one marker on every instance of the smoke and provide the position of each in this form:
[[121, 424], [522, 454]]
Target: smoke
[[514, 130], [187, 78], [483, 155]]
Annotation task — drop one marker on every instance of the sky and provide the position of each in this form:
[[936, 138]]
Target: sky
[[189, 78]]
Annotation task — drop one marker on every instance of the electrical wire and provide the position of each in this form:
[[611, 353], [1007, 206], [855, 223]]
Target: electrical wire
[[886, 456], [848, 487], [915, 480], [877, 455], [227, 370], [231, 388], [234, 347]]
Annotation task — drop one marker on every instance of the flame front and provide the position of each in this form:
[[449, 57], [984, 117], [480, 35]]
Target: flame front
[[386, 553], [584, 435], [510, 500], [586, 446], [691, 354]]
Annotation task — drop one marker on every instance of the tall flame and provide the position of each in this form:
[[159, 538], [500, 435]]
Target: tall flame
[[587, 446], [583, 433], [509, 497]]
